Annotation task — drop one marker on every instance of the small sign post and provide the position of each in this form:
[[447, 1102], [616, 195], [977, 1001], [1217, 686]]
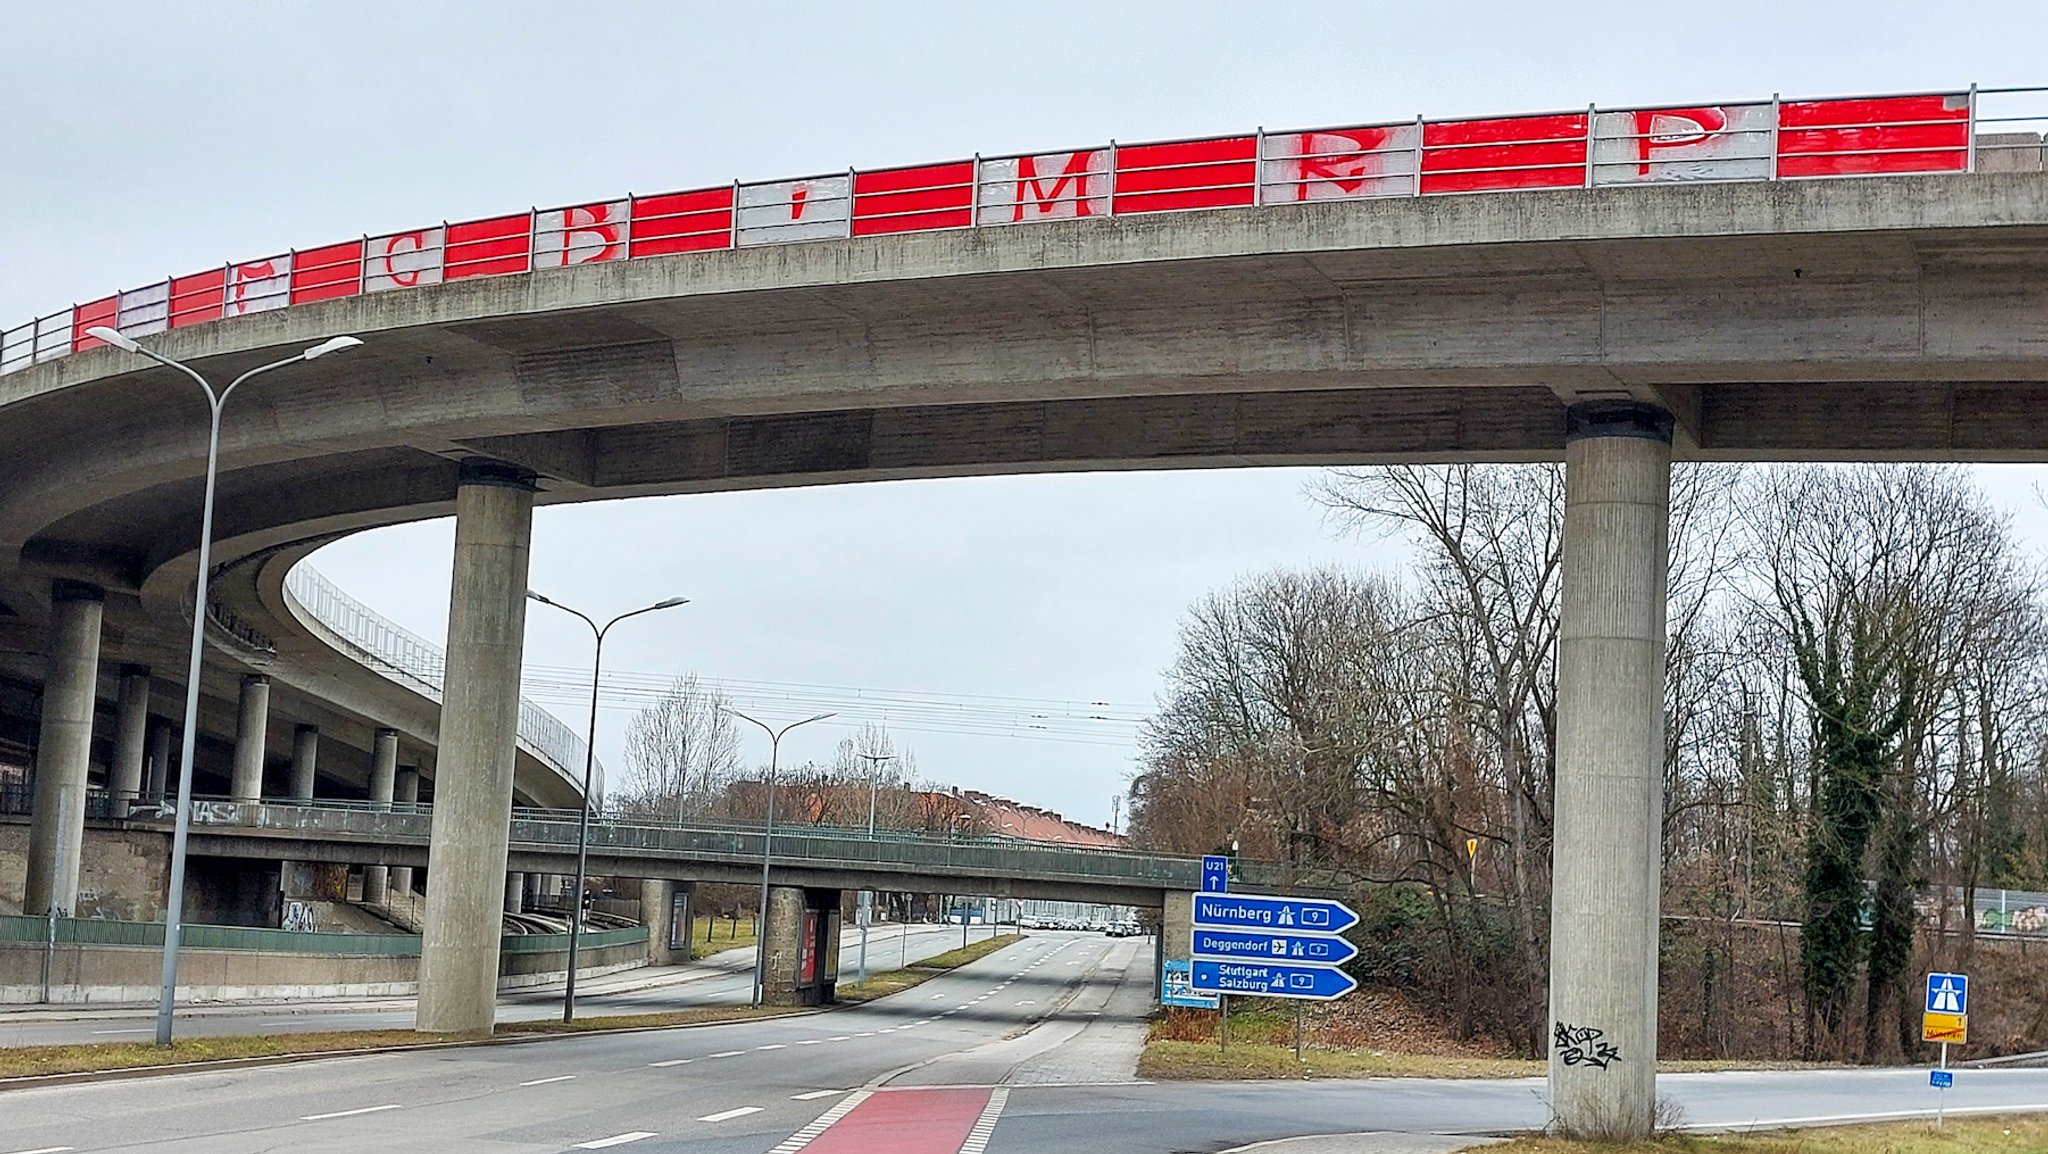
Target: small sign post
[[1946, 1019]]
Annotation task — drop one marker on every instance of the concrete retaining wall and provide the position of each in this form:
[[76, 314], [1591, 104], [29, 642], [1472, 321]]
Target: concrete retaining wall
[[111, 974]]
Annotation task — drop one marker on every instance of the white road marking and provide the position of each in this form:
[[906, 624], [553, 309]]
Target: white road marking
[[47, 1150], [671, 1062], [977, 1138], [729, 1115], [824, 1122], [615, 1140], [811, 1042], [349, 1113], [726, 1054], [1028, 1002], [772, 1046], [935, 997], [865, 1034], [814, 1095], [545, 1081], [839, 1038]]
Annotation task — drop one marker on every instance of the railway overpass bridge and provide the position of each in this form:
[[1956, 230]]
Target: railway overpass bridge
[[1839, 279]]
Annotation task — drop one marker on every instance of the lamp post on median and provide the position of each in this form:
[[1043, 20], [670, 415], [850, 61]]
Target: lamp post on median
[[865, 913], [181, 828], [767, 840], [597, 632]]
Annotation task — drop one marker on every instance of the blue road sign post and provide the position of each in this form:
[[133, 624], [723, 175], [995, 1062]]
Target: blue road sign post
[[1258, 912], [1246, 946], [1215, 874], [1272, 980], [1941, 1079], [1948, 994]]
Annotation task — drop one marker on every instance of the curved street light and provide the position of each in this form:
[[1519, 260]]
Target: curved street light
[[589, 762], [767, 839], [174, 908]]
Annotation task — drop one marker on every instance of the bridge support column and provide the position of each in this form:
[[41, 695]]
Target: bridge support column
[[250, 738], [1176, 935], [665, 910], [405, 793], [159, 759], [479, 728], [305, 761], [1610, 760], [131, 738], [383, 781], [515, 893], [783, 942], [63, 749]]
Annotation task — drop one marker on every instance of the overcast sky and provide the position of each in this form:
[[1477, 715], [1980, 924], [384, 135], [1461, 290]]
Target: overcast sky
[[979, 617]]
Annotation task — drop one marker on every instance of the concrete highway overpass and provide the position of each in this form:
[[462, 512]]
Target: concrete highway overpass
[[1823, 280]]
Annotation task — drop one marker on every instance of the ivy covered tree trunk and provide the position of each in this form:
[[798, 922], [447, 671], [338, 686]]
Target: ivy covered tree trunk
[[1830, 945]]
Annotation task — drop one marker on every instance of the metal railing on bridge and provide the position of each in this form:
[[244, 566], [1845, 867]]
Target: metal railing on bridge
[[405, 657]]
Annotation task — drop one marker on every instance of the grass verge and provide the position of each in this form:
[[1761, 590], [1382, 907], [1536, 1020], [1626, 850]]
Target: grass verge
[[1972, 1136], [97, 1057], [709, 935], [896, 981]]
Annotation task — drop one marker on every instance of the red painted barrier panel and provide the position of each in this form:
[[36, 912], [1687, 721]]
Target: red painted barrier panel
[[682, 222], [1216, 173], [490, 247], [1889, 134], [930, 196], [196, 299], [86, 316], [320, 274], [1508, 153]]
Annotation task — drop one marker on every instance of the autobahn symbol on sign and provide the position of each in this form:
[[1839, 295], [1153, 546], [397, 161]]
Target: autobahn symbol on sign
[[1242, 945], [1948, 994], [1272, 980], [1258, 912]]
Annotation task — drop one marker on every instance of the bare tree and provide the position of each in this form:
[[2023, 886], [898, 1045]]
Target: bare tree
[[680, 752]]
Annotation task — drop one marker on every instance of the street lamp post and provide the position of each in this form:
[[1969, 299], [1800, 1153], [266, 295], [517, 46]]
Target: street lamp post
[[767, 840], [174, 909], [589, 762], [866, 912]]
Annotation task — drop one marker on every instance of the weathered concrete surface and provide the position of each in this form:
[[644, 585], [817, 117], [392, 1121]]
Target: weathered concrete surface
[[479, 733], [63, 751], [305, 761], [1608, 843], [121, 874], [131, 736], [405, 791], [383, 784], [252, 737], [781, 945]]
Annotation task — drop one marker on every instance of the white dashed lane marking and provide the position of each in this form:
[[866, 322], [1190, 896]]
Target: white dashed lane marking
[[349, 1113], [615, 1140], [814, 1095], [726, 1054], [772, 1046], [729, 1115], [545, 1081], [672, 1062]]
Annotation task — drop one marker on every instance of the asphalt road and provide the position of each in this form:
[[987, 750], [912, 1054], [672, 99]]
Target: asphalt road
[[1029, 1051], [722, 979]]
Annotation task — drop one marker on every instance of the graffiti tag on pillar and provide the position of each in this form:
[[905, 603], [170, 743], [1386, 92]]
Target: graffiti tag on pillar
[[216, 813], [1584, 1046], [298, 918]]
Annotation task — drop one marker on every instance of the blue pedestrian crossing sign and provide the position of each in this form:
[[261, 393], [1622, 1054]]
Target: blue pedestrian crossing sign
[[1948, 994], [1215, 874]]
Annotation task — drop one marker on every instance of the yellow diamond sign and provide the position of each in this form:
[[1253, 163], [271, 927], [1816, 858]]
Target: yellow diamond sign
[[1954, 1028]]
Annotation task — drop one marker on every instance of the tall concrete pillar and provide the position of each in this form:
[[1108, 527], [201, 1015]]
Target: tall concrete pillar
[[383, 781], [305, 761], [1176, 935], [515, 893], [159, 759], [658, 911], [1608, 840], [250, 737], [473, 771], [784, 937], [131, 738], [63, 749], [405, 792]]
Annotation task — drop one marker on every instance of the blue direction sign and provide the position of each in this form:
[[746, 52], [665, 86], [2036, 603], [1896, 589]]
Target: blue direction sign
[[1946, 993], [1247, 945], [1271, 980], [1257, 912], [1941, 1079], [1176, 987], [1215, 874]]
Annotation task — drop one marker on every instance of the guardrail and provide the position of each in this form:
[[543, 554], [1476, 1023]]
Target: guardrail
[[1589, 147], [405, 657]]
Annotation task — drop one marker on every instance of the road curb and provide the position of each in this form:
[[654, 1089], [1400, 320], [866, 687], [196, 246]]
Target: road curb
[[36, 1081]]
